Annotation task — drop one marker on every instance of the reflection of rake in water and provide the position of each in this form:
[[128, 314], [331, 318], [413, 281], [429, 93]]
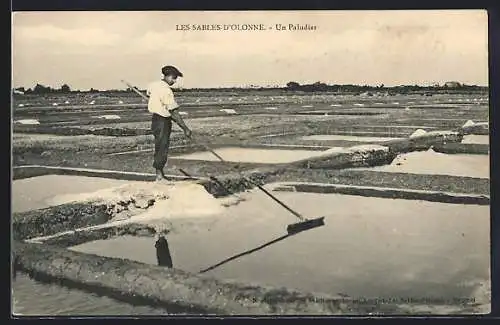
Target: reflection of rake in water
[[245, 253]]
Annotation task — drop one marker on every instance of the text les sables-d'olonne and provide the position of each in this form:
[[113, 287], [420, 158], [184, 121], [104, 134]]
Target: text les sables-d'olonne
[[245, 27]]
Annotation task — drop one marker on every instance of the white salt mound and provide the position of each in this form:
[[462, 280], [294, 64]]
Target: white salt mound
[[116, 194], [423, 133], [184, 200], [271, 108], [418, 133], [468, 123], [109, 117], [172, 200], [483, 124], [28, 122], [228, 110], [21, 105], [54, 104]]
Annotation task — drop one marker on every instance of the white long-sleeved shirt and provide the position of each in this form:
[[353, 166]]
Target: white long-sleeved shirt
[[161, 98]]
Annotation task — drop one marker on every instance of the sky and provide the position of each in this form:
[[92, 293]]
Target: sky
[[97, 49]]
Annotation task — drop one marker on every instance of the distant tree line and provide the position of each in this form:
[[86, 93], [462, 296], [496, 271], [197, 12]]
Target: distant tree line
[[319, 86], [41, 89]]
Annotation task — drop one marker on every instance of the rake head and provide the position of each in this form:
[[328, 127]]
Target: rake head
[[305, 225]]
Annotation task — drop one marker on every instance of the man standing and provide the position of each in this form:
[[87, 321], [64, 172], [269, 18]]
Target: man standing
[[165, 109]]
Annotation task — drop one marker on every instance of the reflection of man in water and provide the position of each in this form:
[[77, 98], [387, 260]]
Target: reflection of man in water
[[163, 252]]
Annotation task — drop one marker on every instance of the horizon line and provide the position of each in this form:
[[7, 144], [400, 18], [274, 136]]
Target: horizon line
[[380, 86]]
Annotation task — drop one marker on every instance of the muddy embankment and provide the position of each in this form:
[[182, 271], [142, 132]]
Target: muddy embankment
[[57, 219], [476, 128], [86, 210], [72, 131]]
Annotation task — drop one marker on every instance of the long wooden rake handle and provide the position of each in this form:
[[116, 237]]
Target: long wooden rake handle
[[295, 213]]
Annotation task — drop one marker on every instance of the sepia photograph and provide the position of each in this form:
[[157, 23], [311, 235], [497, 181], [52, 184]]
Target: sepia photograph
[[236, 163]]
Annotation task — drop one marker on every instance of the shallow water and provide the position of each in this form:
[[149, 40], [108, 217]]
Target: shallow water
[[326, 137], [433, 163], [476, 139], [32, 298], [36, 192], [251, 155], [380, 248]]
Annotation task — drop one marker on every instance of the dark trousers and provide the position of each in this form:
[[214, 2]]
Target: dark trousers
[[161, 127]]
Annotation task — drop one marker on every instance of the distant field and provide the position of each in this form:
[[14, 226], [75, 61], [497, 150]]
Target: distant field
[[107, 123]]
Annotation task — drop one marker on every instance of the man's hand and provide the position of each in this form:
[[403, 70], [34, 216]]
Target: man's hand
[[188, 133]]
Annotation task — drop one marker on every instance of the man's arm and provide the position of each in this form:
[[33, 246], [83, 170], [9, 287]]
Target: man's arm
[[172, 106], [176, 117]]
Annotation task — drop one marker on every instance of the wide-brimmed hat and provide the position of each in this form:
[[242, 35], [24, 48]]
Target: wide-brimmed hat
[[171, 70]]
